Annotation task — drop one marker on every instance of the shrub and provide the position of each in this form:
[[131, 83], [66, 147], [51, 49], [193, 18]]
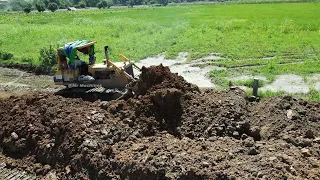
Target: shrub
[[52, 7], [100, 5], [48, 58], [26, 60], [6, 55], [104, 4], [131, 3], [27, 7], [40, 6], [82, 4]]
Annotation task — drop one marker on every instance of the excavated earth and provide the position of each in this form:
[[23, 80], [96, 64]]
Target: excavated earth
[[169, 130]]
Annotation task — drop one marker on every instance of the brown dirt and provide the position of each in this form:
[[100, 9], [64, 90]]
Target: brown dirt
[[170, 130]]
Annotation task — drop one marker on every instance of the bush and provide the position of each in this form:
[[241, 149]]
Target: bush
[[82, 4], [48, 58], [104, 4], [40, 6], [26, 60], [131, 3], [109, 4], [163, 2], [100, 5], [52, 7], [27, 7], [6, 55]]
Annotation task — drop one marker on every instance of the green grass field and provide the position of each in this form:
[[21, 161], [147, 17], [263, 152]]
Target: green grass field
[[235, 31], [270, 39]]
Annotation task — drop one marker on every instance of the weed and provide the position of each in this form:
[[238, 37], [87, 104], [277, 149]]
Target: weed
[[6, 55], [48, 57], [27, 60], [219, 77], [248, 83]]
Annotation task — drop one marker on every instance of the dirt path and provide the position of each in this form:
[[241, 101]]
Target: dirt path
[[13, 81]]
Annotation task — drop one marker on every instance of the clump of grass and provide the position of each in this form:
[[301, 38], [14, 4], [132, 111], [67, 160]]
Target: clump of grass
[[248, 83], [312, 95], [266, 94], [219, 77], [5, 55], [27, 60]]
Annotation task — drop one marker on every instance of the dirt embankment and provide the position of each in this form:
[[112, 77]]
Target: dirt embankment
[[29, 68], [170, 130]]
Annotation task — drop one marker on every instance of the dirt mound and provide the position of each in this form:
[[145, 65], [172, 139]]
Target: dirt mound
[[29, 68], [283, 117], [170, 130], [160, 77], [166, 157]]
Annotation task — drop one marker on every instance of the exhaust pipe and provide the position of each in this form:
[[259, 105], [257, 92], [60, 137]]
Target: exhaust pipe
[[106, 51]]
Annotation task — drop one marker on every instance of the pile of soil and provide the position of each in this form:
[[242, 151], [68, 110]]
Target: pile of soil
[[169, 130]]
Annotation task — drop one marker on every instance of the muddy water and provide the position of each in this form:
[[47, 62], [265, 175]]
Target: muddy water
[[289, 83], [190, 71]]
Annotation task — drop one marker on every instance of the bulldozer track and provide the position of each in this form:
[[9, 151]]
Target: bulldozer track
[[91, 94], [14, 174]]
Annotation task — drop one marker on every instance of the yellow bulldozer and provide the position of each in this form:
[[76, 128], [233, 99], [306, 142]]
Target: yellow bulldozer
[[88, 80]]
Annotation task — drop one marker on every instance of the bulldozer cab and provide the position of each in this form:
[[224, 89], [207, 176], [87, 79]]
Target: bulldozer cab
[[67, 55]]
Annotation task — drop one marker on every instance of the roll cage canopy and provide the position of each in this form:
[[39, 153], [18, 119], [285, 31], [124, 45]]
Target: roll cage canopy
[[69, 50]]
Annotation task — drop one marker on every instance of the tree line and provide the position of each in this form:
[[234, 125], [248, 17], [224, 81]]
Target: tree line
[[52, 5]]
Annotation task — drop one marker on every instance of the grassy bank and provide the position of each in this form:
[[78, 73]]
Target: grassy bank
[[236, 31]]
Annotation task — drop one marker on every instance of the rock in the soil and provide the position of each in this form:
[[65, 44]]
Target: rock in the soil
[[51, 176], [305, 152], [235, 134], [293, 171], [304, 142], [292, 115], [14, 136], [205, 164], [128, 121], [244, 136], [253, 151], [316, 140], [92, 144], [248, 142], [272, 158], [309, 134], [255, 133], [285, 158]]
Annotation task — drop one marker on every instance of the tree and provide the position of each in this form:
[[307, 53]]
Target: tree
[[131, 3], [100, 5], [123, 2], [115, 2], [163, 2], [76, 2], [52, 7], [82, 4], [109, 4], [16, 5], [137, 2], [27, 7], [40, 6], [92, 3], [64, 4], [54, 1], [103, 4]]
